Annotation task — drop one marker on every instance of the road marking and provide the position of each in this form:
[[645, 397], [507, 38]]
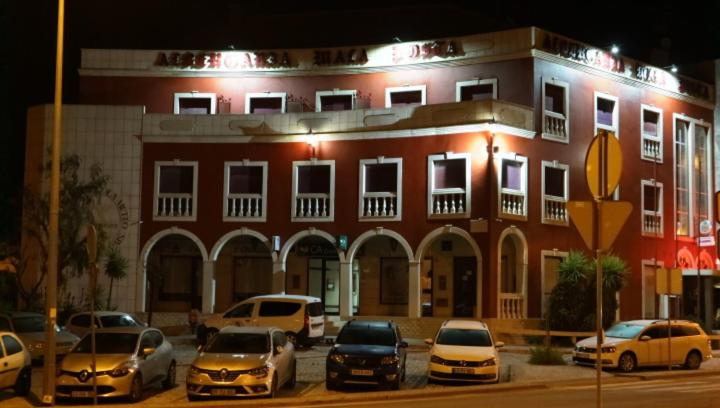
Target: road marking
[[634, 384], [700, 389], [310, 388]]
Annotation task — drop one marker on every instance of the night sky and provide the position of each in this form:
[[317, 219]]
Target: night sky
[[685, 33]]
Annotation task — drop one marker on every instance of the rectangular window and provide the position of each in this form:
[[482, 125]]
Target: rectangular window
[[265, 102], [449, 185], [476, 90], [313, 194], [652, 208], [555, 178], [652, 133], [692, 174], [380, 189], [512, 196], [556, 110], [175, 191], [405, 96], [335, 100], [245, 191], [606, 113], [651, 303], [194, 103], [551, 261]]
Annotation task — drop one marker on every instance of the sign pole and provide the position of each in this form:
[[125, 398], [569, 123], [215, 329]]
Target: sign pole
[[91, 245], [668, 320], [602, 184]]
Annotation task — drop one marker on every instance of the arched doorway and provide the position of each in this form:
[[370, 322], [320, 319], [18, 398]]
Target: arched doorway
[[512, 274], [450, 274]]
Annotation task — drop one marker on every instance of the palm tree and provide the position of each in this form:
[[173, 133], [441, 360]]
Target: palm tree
[[116, 267]]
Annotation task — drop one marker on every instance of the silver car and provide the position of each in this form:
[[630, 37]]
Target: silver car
[[30, 327], [243, 362], [79, 323]]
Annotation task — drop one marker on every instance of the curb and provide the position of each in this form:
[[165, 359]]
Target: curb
[[670, 374]]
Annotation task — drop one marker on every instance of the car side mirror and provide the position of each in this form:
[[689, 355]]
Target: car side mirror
[[147, 351], [330, 341], [200, 348], [403, 344], [429, 342], [499, 344], [279, 349], [644, 337]]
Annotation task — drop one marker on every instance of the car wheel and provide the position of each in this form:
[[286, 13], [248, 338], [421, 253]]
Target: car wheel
[[136, 389], [292, 338], [330, 385], [23, 382], [693, 360], [404, 370], [193, 398], [395, 385], [627, 362], [170, 377], [290, 384]]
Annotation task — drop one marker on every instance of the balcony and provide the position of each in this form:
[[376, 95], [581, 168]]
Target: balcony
[[512, 306], [315, 206], [175, 205], [555, 210], [555, 125], [244, 207], [652, 149], [652, 224], [448, 202], [512, 204], [379, 205]]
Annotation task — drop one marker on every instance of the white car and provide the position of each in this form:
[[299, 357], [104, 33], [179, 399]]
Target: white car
[[464, 350], [15, 364], [79, 323], [302, 318]]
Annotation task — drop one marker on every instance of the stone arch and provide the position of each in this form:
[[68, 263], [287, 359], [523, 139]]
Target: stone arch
[[172, 231], [220, 244], [520, 243], [379, 231], [282, 257]]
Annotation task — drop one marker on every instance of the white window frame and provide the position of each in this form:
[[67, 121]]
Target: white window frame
[[467, 204], [691, 181], [660, 211], [335, 92], [406, 88], [156, 190], [615, 114], [662, 299], [331, 193], [566, 183], [259, 95], [226, 190], [544, 253], [524, 182], [202, 95], [566, 110], [459, 85], [398, 194], [658, 139]]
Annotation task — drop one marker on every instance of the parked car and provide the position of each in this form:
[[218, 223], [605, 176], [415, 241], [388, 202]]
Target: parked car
[[638, 343], [243, 362], [367, 352], [79, 323], [30, 328], [128, 360], [15, 364], [464, 350], [301, 318]]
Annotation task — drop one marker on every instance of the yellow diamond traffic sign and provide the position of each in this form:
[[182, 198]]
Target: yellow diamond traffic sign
[[612, 217]]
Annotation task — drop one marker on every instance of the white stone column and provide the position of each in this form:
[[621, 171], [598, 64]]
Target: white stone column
[[278, 281], [346, 285], [140, 287], [414, 290], [208, 287]]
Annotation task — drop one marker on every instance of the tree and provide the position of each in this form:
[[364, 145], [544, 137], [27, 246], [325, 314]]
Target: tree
[[78, 197], [116, 267]]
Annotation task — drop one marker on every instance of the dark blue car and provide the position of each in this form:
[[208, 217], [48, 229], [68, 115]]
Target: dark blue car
[[367, 352]]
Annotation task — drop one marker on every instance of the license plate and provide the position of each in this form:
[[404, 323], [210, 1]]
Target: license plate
[[582, 355], [463, 370], [223, 391], [81, 394], [366, 373]]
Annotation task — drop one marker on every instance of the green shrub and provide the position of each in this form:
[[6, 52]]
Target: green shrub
[[546, 356]]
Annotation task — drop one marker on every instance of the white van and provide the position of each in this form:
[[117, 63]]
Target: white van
[[301, 317]]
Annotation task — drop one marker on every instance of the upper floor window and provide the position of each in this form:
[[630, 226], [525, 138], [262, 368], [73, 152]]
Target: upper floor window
[[265, 102], [449, 185], [512, 196], [652, 207], [313, 194], [606, 113], [692, 174], [476, 90], [555, 178], [651, 121], [405, 96], [556, 110], [380, 189], [175, 190], [335, 100], [245, 191], [194, 103]]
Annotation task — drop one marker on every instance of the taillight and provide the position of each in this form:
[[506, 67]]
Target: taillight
[[307, 321]]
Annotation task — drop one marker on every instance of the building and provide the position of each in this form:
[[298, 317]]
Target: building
[[414, 179]]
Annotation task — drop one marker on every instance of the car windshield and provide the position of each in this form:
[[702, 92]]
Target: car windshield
[[118, 321], [376, 336], [239, 343], [464, 337], [624, 331], [29, 324], [108, 343]]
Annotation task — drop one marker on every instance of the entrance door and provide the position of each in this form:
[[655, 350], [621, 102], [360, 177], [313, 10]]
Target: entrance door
[[464, 286], [324, 282]]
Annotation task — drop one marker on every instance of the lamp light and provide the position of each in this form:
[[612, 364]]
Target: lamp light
[[614, 49]]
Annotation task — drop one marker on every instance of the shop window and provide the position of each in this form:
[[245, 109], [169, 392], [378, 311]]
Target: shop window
[[512, 196], [380, 189], [555, 192], [405, 96], [476, 90], [652, 208], [335, 100], [175, 191], [652, 133], [245, 191], [265, 102], [194, 103], [556, 110], [313, 195], [449, 185], [606, 113], [692, 174]]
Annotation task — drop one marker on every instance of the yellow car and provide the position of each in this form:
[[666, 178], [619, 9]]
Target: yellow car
[[15, 364], [639, 343]]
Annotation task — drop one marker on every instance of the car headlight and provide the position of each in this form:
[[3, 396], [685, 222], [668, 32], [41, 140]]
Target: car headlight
[[487, 363], [193, 371], [260, 372], [390, 360], [123, 369], [337, 358], [609, 349], [436, 359]]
